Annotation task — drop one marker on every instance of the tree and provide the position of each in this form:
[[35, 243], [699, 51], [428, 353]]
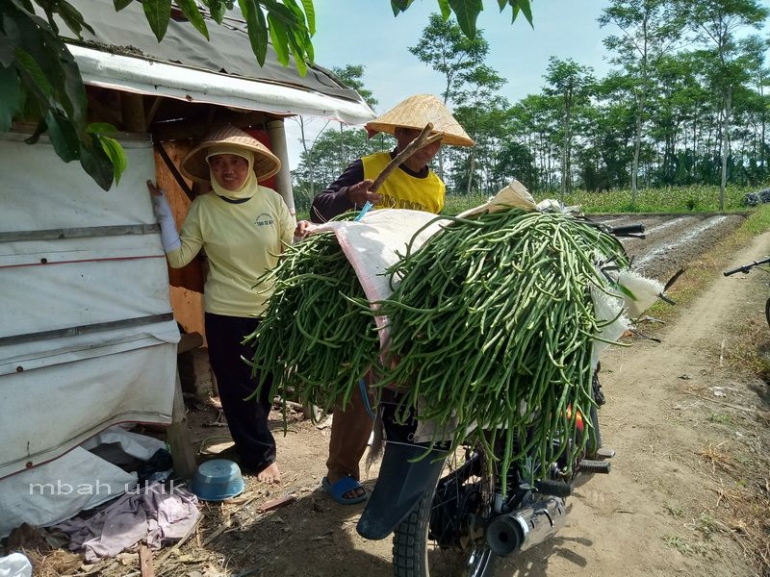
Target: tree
[[572, 84], [445, 48], [649, 32], [715, 24], [482, 113], [40, 81], [325, 161], [350, 75]]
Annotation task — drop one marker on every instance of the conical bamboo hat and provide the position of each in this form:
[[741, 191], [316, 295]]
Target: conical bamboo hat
[[417, 111], [194, 165]]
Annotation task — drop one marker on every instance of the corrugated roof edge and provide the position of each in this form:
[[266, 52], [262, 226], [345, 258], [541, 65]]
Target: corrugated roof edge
[[218, 67]]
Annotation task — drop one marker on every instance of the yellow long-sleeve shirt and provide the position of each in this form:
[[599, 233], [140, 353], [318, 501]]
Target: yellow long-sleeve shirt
[[242, 240]]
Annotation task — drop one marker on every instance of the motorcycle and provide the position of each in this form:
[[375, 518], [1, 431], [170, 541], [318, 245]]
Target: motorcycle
[[448, 513]]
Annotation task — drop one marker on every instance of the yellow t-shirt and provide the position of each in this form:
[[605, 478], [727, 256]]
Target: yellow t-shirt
[[401, 190], [242, 241]]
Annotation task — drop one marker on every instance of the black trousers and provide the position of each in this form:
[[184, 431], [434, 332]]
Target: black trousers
[[247, 420]]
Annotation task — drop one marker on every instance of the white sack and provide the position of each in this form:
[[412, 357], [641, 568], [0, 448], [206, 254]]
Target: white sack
[[48, 494]]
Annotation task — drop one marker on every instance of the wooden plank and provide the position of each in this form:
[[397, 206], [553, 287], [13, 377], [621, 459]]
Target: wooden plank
[[145, 561], [188, 342], [276, 503], [178, 436], [83, 232], [85, 329]]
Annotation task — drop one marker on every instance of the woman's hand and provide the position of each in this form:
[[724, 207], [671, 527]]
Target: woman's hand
[[302, 229], [154, 189], [168, 233]]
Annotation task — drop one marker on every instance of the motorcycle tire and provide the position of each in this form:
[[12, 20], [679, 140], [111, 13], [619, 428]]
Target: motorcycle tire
[[416, 554]]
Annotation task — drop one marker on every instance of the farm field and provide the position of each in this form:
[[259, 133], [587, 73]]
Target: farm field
[[688, 420]]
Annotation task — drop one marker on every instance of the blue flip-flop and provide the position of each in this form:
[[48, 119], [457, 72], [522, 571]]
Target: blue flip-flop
[[342, 486]]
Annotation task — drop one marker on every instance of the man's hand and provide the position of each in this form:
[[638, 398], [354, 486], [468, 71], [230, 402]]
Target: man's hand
[[359, 193]]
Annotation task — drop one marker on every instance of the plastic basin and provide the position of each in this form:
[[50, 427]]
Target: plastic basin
[[217, 480]]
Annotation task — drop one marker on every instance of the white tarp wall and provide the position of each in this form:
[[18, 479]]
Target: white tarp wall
[[87, 337]]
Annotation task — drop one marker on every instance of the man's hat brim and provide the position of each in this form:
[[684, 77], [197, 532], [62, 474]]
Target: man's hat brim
[[417, 111]]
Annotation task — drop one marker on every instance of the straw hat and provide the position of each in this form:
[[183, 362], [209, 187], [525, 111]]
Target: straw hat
[[417, 111], [194, 165]]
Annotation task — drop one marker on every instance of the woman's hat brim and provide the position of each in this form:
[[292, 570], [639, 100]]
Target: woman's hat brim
[[195, 167]]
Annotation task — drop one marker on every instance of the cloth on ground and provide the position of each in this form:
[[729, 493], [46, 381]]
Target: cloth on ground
[[153, 513]]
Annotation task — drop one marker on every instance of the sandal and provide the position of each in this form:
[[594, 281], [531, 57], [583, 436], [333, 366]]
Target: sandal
[[339, 488]]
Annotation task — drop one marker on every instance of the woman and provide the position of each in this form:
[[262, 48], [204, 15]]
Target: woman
[[243, 228]]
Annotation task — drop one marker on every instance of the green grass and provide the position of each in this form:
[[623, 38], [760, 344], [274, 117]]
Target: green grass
[[679, 199], [675, 200]]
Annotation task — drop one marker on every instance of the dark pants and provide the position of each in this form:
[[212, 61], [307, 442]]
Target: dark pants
[[247, 420]]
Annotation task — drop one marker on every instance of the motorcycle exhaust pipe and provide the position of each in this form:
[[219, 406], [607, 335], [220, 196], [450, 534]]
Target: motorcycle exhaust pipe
[[526, 527]]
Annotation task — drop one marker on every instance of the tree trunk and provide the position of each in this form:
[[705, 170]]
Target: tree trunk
[[725, 147], [471, 165]]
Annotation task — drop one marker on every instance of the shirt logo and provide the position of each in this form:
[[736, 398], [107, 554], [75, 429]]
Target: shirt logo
[[264, 220]]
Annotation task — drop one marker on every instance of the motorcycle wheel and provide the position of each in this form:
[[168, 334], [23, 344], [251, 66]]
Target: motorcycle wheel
[[417, 554]]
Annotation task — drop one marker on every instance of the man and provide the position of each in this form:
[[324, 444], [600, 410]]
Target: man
[[413, 185]]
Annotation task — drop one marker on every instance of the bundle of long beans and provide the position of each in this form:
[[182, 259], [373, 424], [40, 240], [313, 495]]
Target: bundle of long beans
[[313, 340], [492, 326]]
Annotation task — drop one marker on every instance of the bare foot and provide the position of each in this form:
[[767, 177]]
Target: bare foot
[[270, 475]]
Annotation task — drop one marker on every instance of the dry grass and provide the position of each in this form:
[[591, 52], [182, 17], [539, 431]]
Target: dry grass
[[717, 458]]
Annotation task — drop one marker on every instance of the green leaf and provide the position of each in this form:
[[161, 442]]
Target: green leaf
[[309, 50], [262, 34], [526, 9], [101, 128], [194, 16], [255, 24], [120, 4], [446, 11], [63, 136], [96, 163], [72, 92], [34, 74], [298, 50], [399, 6], [7, 55], [279, 38], [73, 18], [116, 154], [10, 97], [283, 14], [309, 15], [158, 13], [26, 5], [218, 10], [467, 12]]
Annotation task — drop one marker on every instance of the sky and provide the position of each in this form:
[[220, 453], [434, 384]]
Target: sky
[[365, 32]]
